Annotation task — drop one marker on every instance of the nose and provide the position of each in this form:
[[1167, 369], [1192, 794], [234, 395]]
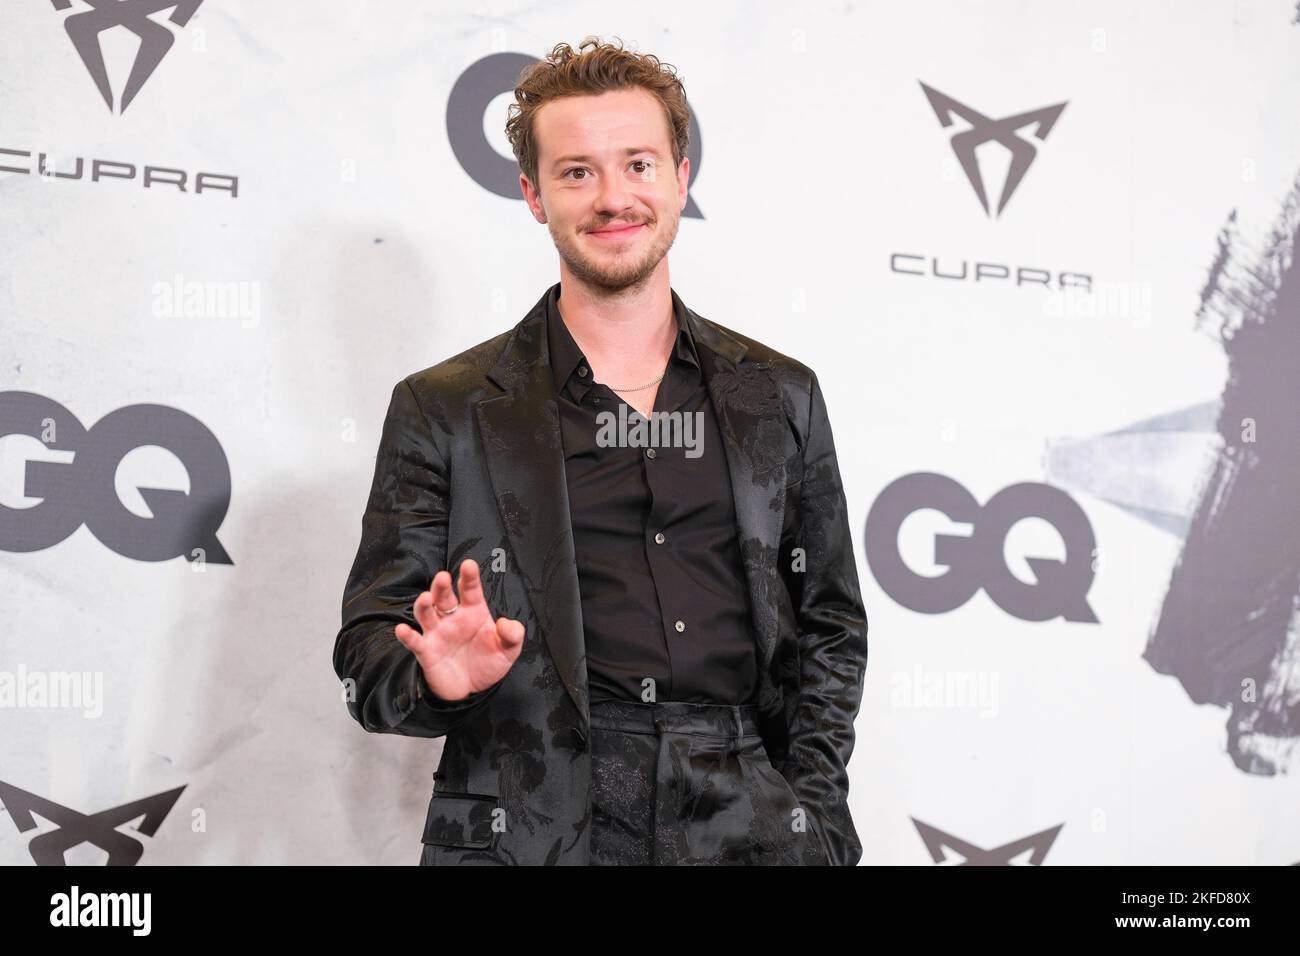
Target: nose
[[613, 197]]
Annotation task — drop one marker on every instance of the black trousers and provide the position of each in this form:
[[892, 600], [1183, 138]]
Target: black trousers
[[677, 783]]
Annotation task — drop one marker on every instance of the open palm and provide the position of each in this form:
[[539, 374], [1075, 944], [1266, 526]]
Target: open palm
[[464, 652]]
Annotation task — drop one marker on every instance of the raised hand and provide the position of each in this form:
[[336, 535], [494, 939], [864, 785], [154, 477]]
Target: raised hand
[[466, 651]]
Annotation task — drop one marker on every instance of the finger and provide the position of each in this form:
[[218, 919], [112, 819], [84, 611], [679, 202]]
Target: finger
[[423, 611], [442, 595], [408, 636], [510, 632], [471, 587]]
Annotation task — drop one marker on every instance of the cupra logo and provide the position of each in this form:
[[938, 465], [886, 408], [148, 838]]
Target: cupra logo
[[983, 130], [85, 26]]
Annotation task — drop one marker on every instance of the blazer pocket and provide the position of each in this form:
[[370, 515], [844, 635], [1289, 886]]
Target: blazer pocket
[[460, 819]]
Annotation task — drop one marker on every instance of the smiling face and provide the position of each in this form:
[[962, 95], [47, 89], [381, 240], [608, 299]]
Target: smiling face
[[607, 189]]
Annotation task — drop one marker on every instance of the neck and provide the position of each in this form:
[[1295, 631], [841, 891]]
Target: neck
[[625, 334]]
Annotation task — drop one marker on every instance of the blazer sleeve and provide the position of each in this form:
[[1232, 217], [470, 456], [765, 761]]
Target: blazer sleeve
[[403, 545], [832, 634]]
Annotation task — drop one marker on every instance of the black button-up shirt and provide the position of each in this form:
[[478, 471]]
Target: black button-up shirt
[[663, 588]]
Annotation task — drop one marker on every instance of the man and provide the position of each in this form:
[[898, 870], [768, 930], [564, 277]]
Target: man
[[655, 651]]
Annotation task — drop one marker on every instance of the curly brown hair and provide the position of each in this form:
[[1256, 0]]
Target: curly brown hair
[[598, 68]]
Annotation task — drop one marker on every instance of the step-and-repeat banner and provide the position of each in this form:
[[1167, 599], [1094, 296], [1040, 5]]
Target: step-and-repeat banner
[[1041, 257]]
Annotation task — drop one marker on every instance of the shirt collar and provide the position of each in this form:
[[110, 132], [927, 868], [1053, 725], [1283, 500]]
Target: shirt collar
[[566, 356]]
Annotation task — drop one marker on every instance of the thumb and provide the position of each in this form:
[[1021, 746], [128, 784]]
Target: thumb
[[510, 631]]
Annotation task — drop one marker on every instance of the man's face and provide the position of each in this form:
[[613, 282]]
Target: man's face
[[607, 189]]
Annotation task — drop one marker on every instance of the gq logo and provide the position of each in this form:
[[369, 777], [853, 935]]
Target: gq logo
[[470, 97], [82, 490], [976, 560]]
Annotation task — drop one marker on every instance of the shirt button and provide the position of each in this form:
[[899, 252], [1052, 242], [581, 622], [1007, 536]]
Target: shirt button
[[680, 627], [659, 538], [649, 452], [582, 370]]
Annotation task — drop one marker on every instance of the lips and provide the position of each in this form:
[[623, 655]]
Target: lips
[[618, 231]]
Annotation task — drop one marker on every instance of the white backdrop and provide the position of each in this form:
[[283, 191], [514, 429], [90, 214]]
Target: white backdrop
[[359, 249]]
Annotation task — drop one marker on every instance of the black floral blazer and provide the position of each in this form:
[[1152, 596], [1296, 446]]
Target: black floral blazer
[[470, 464]]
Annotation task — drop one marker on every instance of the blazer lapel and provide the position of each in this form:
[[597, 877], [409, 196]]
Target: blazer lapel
[[520, 432], [747, 402]]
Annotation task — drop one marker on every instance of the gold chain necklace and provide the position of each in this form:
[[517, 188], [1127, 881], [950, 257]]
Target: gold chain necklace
[[639, 387]]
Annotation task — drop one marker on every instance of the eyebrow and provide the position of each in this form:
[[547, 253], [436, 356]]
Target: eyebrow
[[630, 151]]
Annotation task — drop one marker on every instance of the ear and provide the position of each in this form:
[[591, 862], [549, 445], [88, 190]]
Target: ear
[[683, 182], [533, 198]]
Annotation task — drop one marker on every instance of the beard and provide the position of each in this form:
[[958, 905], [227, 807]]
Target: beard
[[617, 270]]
